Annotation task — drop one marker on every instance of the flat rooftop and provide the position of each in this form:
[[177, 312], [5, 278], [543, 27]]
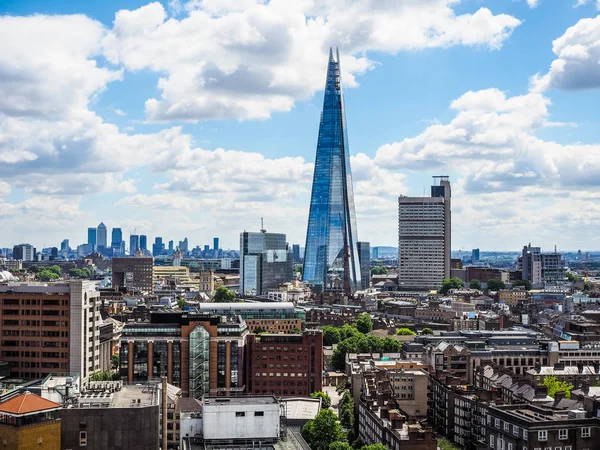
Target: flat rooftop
[[246, 400], [129, 396], [244, 306]]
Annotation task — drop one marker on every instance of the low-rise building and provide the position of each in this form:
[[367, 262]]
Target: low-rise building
[[28, 421], [516, 427], [512, 296]]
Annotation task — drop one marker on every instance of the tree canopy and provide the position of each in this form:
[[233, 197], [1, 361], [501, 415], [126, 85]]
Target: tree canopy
[[340, 446], [364, 323], [426, 331], [405, 332], [47, 275], [451, 283], [495, 284], [554, 385], [323, 430], [80, 273], [378, 446], [475, 284], [572, 277], [379, 270], [331, 335], [325, 398], [224, 295]]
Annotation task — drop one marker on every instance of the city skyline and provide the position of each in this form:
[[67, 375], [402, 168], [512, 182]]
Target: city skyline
[[201, 142]]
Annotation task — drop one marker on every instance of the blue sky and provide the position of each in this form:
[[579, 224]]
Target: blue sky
[[197, 118]]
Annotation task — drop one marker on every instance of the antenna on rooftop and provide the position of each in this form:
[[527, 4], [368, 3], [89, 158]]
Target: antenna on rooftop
[[262, 226]]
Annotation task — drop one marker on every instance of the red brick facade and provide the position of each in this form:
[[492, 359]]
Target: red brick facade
[[285, 364]]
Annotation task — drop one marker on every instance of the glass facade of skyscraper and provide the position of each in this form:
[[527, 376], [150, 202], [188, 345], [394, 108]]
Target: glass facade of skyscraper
[[331, 256]]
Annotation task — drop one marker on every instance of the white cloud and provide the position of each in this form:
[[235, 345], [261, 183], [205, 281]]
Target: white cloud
[[578, 62], [246, 60], [533, 3], [119, 112]]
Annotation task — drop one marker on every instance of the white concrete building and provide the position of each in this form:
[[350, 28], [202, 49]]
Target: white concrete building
[[246, 418], [84, 328], [424, 228]]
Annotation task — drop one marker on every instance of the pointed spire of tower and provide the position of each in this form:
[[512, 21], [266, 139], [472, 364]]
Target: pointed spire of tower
[[330, 54]]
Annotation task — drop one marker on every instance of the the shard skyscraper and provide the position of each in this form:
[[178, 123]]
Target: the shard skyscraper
[[331, 256]]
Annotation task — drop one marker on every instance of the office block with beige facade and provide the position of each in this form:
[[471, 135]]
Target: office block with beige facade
[[50, 327], [512, 296]]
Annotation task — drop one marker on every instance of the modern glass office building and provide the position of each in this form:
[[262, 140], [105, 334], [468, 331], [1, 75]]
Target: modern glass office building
[[331, 256]]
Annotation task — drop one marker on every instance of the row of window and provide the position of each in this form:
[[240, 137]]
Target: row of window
[[563, 434], [271, 374]]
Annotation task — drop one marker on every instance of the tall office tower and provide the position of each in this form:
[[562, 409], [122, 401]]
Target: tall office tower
[[364, 257], [92, 233], [134, 244], [157, 247], [115, 242], [265, 262], [331, 257], [475, 255], [296, 252], [554, 267], [65, 335], [64, 246], [206, 249], [184, 246], [215, 244], [101, 237], [24, 252], [143, 242], [424, 230], [171, 247], [532, 264]]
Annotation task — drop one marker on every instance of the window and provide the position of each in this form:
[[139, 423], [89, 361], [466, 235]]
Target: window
[[524, 448], [83, 438], [563, 434], [506, 427], [491, 441], [585, 432], [515, 430], [543, 435], [259, 413], [568, 447], [240, 414], [525, 434], [497, 423], [557, 448], [510, 446]]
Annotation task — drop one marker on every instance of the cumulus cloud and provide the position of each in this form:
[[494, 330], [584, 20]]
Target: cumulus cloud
[[533, 3], [246, 60], [578, 59]]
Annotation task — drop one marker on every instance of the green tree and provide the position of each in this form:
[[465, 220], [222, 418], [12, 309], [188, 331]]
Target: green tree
[[298, 268], [347, 331], [378, 446], [34, 269], [495, 284], [325, 398], [47, 275], [347, 411], [405, 332], [224, 295], [475, 284], [572, 277], [451, 283], [57, 270], [80, 273], [181, 303], [391, 345], [364, 323], [331, 335], [341, 387], [525, 283], [323, 430], [445, 444], [554, 385], [350, 345], [115, 362], [426, 331], [340, 446], [379, 270], [105, 376]]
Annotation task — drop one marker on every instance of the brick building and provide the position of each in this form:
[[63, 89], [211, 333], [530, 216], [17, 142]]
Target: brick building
[[50, 327], [133, 273], [285, 364], [201, 354], [28, 421]]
